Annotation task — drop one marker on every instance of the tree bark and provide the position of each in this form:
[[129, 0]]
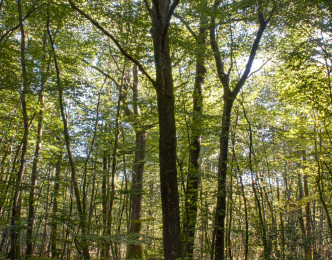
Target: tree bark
[[136, 250], [113, 168], [222, 174], [105, 197], [161, 13], [31, 213]]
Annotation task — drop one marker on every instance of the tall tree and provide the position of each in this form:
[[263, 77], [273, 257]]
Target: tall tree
[[229, 97], [15, 244], [31, 214], [161, 13], [81, 213], [194, 171], [135, 250]]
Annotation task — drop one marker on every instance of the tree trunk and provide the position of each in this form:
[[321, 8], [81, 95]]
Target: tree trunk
[[246, 242], [136, 250], [31, 213], [222, 174], [161, 13], [53, 235], [113, 169], [82, 216], [308, 242], [228, 98], [105, 197], [15, 244], [193, 178]]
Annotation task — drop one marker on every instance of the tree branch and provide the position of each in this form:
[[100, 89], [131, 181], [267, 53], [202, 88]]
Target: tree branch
[[147, 5], [122, 50], [252, 73], [169, 16], [215, 48], [185, 23], [170, 13], [104, 73], [254, 48], [18, 25]]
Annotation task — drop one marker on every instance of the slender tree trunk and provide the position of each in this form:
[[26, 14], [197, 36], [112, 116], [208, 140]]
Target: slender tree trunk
[[31, 213], [193, 178], [53, 235], [113, 168], [282, 227], [308, 242], [263, 231], [222, 174], [15, 244], [90, 150], [135, 250], [105, 248], [44, 244], [246, 243], [93, 197], [300, 214], [319, 181], [322, 199], [82, 216], [11, 178], [228, 98], [229, 220], [7, 179]]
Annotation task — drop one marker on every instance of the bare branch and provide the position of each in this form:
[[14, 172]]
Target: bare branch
[[252, 73]]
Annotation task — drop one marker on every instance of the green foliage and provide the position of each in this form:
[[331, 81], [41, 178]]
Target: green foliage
[[287, 104]]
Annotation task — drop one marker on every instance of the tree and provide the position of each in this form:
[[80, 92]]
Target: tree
[[229, 98], [161, 13], [15, 244]]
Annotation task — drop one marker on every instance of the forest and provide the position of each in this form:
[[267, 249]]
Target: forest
[[166, 129]]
